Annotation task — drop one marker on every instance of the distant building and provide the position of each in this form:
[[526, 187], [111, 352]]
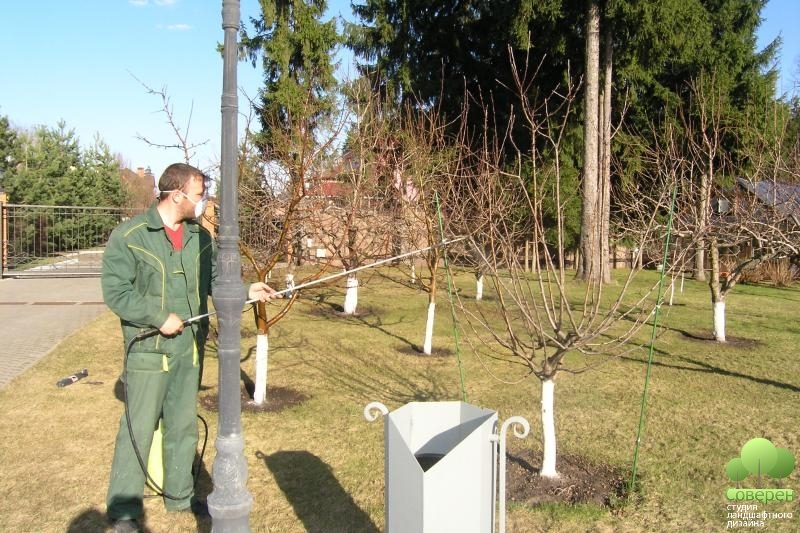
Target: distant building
[[140, 187], [783, 199]]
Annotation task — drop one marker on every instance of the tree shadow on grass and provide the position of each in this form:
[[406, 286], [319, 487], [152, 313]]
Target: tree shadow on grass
[[705, 367], [389, 379], [408, 347], [701, 366], [377, 324], [315, 494]]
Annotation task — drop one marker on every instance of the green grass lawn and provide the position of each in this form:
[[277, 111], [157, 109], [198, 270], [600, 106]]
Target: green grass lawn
[[318, 466]]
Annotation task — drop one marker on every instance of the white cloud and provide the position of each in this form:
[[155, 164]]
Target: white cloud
[[166, 2], [179, 27], [138, 3]]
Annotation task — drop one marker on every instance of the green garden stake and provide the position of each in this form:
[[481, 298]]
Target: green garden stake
[[643, 409], [450, 293]]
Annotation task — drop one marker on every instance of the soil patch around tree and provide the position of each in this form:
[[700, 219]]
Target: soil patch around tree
[[277, 400], [580, 481], [418, 352], [741, 343]]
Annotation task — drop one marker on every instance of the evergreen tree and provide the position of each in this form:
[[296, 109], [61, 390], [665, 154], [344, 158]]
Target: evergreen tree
[[49, 161], [590, 267], [446, 55], [47, 166], [8, 145], [695, 64], [100, 183], [50, 169], [670, 44], [295, 48], [453, 54]]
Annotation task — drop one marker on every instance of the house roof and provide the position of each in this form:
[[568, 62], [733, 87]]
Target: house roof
[[783, 197], [328, 189]]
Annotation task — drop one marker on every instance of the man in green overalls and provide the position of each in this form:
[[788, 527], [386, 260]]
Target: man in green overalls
[[158, 270]]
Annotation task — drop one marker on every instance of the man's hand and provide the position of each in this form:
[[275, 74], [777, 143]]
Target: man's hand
[[172, 326], [261, 292]]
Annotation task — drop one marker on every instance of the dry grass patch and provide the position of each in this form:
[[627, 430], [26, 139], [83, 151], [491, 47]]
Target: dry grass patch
[[316, 465]]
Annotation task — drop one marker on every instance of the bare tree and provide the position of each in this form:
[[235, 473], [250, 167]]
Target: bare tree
[[181, 132], [704, 130], [538, 319], [755, 221], [352, 211], [425, 160], [275, 217], [740, 220]]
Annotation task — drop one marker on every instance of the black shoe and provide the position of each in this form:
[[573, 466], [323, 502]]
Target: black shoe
[[126, 526]]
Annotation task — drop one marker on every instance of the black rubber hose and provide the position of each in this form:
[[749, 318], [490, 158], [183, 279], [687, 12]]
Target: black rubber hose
[[196, 467]]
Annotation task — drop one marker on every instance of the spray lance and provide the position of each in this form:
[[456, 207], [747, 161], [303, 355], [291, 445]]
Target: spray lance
[[154, 331], [325, 279]]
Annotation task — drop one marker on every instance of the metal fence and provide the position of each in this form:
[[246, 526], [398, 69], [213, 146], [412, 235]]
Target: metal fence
[[56, 241]]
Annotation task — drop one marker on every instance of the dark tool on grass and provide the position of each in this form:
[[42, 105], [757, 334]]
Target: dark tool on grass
[[69, 380]]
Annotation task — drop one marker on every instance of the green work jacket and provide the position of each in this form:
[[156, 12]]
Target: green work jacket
[[144, 279]]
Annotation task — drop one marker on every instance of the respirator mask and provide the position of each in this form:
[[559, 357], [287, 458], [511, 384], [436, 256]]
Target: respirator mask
[[199, 206]]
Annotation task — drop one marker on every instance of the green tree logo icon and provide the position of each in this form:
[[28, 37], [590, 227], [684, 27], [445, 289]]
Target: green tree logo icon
[[736, 470], [760, 456], [783, 466]]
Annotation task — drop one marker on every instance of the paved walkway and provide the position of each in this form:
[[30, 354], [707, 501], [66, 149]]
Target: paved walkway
[[36, 314]]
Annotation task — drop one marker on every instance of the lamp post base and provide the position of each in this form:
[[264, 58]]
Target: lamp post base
[[230, 502]]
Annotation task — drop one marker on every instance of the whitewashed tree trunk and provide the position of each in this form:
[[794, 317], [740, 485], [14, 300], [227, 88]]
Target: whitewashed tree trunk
[[719, 290], [672, 291], [719, 321], [262, 356], [479, 288], [351, 295], [289, 285], [413, 273], [548, 430], [426, 348]]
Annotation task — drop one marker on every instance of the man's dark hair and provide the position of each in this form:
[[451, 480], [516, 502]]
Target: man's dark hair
[[176, 176]]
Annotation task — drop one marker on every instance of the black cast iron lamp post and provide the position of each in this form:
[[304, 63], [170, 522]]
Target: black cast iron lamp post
[[229, 502]]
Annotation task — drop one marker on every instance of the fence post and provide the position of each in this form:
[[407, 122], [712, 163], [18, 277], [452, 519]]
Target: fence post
[[3, 231]]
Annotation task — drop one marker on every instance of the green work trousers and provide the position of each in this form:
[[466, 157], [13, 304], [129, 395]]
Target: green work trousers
[[158, 386]]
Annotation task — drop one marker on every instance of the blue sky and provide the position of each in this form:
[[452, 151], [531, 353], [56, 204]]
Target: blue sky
[[79, 61]]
